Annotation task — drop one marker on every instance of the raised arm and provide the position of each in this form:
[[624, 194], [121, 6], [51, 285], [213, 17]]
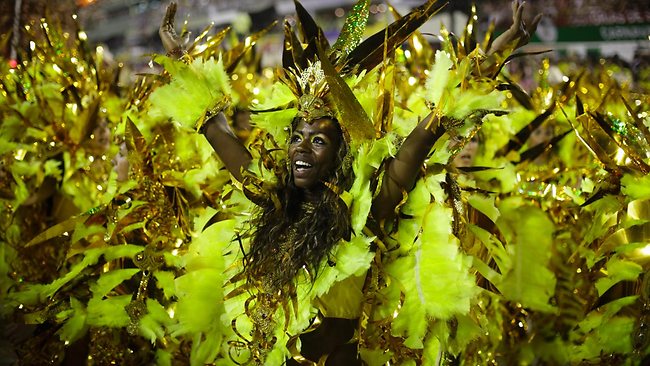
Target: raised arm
[[232, 152], [402, 172]]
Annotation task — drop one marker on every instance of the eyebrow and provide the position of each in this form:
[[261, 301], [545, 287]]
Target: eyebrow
[[301, 132]]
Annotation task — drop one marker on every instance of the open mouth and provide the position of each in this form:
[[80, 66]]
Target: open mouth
[[301, 166]]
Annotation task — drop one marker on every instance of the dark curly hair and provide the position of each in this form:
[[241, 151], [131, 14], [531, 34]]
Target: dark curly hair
[[290, 233]]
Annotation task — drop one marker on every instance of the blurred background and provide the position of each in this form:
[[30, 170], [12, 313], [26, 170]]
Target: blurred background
[[127, 29]]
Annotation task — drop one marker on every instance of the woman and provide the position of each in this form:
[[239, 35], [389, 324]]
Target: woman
[[302, 217], [311, 218]]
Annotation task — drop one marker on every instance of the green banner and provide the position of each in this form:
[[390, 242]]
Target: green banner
[[595, 33]]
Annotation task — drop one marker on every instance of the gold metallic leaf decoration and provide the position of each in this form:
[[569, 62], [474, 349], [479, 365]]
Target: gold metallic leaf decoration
[[352, 117]]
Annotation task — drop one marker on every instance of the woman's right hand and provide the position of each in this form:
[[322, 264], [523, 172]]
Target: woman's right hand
[[172, 42]]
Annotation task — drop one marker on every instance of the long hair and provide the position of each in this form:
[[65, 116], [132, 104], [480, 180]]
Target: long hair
[[296, 234]]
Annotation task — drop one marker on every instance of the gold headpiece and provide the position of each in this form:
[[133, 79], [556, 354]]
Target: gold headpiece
[[312, 83], [312, 79], [315, 72]]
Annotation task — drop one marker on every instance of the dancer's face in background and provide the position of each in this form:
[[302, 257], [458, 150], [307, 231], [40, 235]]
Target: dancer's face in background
[[121, 163], [541, 134], [466, 156]]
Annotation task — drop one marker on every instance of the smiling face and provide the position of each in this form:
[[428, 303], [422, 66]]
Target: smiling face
[[313, 151]]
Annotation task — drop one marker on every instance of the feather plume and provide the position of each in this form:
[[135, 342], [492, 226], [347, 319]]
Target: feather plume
[[152, 325], [109, 312], [75, 327], [438, 78], [194, 90], [445, 271]]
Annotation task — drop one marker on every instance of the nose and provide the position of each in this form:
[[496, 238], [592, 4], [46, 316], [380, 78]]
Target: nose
[[303, 145]]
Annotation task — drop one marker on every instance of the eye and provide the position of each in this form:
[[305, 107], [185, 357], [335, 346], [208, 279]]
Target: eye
[[295, 139], [319, 140]]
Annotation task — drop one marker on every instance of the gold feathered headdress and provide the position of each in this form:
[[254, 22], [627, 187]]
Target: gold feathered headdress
[[315, 71]]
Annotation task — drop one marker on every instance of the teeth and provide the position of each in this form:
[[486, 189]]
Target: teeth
[[302, 164]]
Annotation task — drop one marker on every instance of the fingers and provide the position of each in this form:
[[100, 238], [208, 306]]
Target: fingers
[[515, 8], [170, 40], [518, 11], [168, 20], [533, 25]]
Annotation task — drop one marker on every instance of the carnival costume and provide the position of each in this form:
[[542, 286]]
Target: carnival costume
[[153, 270]]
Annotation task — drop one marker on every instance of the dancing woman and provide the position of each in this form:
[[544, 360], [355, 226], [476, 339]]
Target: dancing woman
[[302, 216]]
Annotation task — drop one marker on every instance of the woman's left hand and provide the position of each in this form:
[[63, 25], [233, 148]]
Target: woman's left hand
[[519, 33]]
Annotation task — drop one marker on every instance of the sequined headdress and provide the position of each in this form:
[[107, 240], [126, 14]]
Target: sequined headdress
[[315, 71], [313, 88]]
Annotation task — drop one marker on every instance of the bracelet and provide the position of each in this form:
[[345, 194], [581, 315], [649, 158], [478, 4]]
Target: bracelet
[[214, 109], [450, 123], [181, 54], [177, 52], [202, 124]]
